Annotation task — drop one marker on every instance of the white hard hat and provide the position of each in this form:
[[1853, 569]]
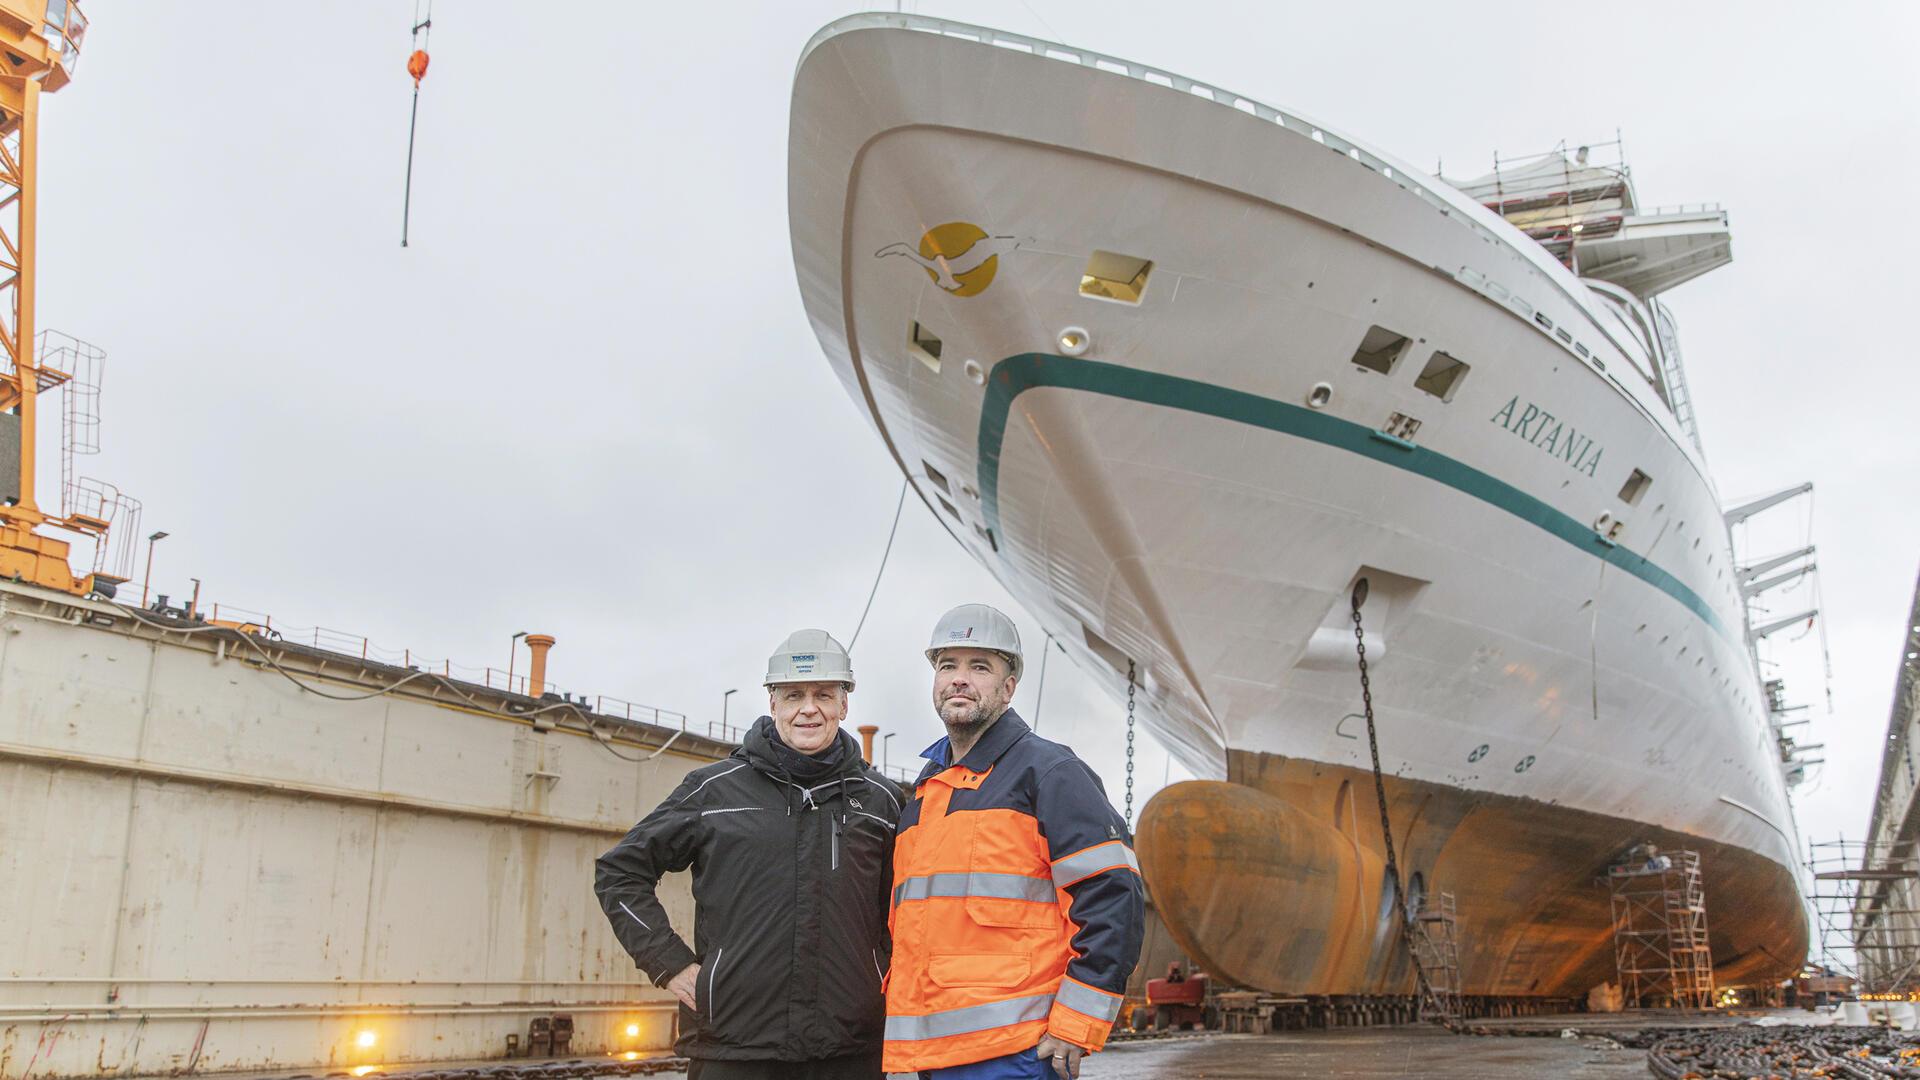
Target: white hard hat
[[809, 656], [976, 626]]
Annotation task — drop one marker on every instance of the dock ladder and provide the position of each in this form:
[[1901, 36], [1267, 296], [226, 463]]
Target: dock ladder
[[1436, 944]]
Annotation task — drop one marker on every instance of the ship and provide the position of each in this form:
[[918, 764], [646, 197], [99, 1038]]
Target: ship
[[1182, 369]]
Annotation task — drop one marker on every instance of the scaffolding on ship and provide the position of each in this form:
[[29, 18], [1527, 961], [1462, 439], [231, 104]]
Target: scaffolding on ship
[[1660, 931]]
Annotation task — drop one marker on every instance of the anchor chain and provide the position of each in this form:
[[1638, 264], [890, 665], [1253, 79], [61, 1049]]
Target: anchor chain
[[1130, 672], [1423, 987]]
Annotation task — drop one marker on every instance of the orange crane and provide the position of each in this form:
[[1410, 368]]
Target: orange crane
[[40, 41]]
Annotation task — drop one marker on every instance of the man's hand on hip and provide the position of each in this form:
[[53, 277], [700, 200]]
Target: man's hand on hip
[[682, 985], [1063, 1056]]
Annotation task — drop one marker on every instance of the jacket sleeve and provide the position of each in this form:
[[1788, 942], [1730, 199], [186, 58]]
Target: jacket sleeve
[[898, 801], [1095, 870], [625, 879]]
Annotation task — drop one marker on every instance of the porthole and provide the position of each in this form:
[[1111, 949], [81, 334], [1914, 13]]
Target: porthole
[[1320, 395]]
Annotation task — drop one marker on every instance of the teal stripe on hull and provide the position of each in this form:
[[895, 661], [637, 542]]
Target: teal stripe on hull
[[1017, 374]]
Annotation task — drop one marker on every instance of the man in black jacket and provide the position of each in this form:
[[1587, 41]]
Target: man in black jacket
[[791, 845]]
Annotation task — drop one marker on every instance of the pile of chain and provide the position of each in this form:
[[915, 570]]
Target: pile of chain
[[1767, 1053], [576, 1069]]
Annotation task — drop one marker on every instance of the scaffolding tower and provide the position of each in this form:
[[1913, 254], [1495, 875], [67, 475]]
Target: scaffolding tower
[[1660, 931], [1866, 898], [1436, 945]]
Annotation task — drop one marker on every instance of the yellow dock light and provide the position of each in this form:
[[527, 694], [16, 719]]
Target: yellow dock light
[[365, 1039], [633, 1031], [362, 1070], [631, 1055]]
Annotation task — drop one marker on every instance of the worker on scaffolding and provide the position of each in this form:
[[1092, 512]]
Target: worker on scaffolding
[[790, 840]]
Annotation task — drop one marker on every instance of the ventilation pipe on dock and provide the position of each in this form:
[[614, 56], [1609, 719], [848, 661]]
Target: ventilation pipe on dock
[[538, 644], [867, 732]]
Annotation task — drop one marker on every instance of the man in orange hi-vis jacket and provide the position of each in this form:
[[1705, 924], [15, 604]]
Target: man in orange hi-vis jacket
[[1017, 903]]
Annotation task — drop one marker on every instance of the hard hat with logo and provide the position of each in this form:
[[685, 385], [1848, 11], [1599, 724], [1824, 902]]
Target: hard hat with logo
[[976, 626], [809, 656]]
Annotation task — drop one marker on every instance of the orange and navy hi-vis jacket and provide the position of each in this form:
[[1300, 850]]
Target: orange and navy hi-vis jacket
[[1017, 905]]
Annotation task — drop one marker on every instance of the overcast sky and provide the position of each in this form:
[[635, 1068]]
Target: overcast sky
[[586, 400]]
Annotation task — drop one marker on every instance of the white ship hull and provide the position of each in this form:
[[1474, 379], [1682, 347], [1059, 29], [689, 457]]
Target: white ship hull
[[1169, 496]]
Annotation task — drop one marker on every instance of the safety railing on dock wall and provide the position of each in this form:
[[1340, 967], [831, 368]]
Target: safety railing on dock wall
[[363, 648]]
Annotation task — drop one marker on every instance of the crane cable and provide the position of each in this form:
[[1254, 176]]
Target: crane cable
[[884, 555], [416, 67]]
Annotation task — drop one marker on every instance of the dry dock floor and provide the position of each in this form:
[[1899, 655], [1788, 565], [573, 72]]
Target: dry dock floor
[[1531, 1048], [1366, 1054]]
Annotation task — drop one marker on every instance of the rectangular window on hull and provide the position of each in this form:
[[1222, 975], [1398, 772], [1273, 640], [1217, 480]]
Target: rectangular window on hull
[[1636, 486], [1442, 376], [1380, 350], [939, 478], [1109, 276], [924, 346]]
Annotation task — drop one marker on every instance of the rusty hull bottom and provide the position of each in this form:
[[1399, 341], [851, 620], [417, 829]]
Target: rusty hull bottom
[[1274, 880]]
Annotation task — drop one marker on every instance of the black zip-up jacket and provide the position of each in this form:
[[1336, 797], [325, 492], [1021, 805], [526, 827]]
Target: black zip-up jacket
[[790, 889]]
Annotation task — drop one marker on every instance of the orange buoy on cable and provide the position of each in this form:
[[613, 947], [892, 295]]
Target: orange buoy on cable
[[416, 67]]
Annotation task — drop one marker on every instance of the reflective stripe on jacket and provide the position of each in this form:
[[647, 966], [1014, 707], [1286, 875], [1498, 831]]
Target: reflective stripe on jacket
[[1017, 907]]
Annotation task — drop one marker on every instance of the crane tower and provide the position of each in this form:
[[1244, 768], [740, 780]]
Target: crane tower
[[40, 42]]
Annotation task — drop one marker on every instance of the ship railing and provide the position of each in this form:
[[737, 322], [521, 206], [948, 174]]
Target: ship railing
[[1433, 191], [1074, 54], [1678, 209], [1438, 194]]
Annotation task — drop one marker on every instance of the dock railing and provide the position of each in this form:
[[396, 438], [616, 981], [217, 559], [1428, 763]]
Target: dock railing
[[361, 647]]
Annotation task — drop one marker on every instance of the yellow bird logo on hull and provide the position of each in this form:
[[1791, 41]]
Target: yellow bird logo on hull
[[959, 256]]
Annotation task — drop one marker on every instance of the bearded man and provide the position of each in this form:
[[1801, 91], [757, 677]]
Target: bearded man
[[1017, 903]]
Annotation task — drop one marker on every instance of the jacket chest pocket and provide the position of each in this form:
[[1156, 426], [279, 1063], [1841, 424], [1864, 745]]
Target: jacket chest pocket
[[1010, 882]]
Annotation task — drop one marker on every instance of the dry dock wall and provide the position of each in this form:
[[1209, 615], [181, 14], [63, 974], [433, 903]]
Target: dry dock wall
[[204, 867]]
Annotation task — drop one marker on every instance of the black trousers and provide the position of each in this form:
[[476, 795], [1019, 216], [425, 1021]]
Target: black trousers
[[854, 1067]]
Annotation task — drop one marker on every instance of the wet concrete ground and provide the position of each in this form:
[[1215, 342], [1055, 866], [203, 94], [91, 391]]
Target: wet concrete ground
[[1379, 1053], [1367, 1054], [1535, 1050]]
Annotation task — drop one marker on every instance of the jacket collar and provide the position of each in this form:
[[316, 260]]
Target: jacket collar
[[1006, 731]]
